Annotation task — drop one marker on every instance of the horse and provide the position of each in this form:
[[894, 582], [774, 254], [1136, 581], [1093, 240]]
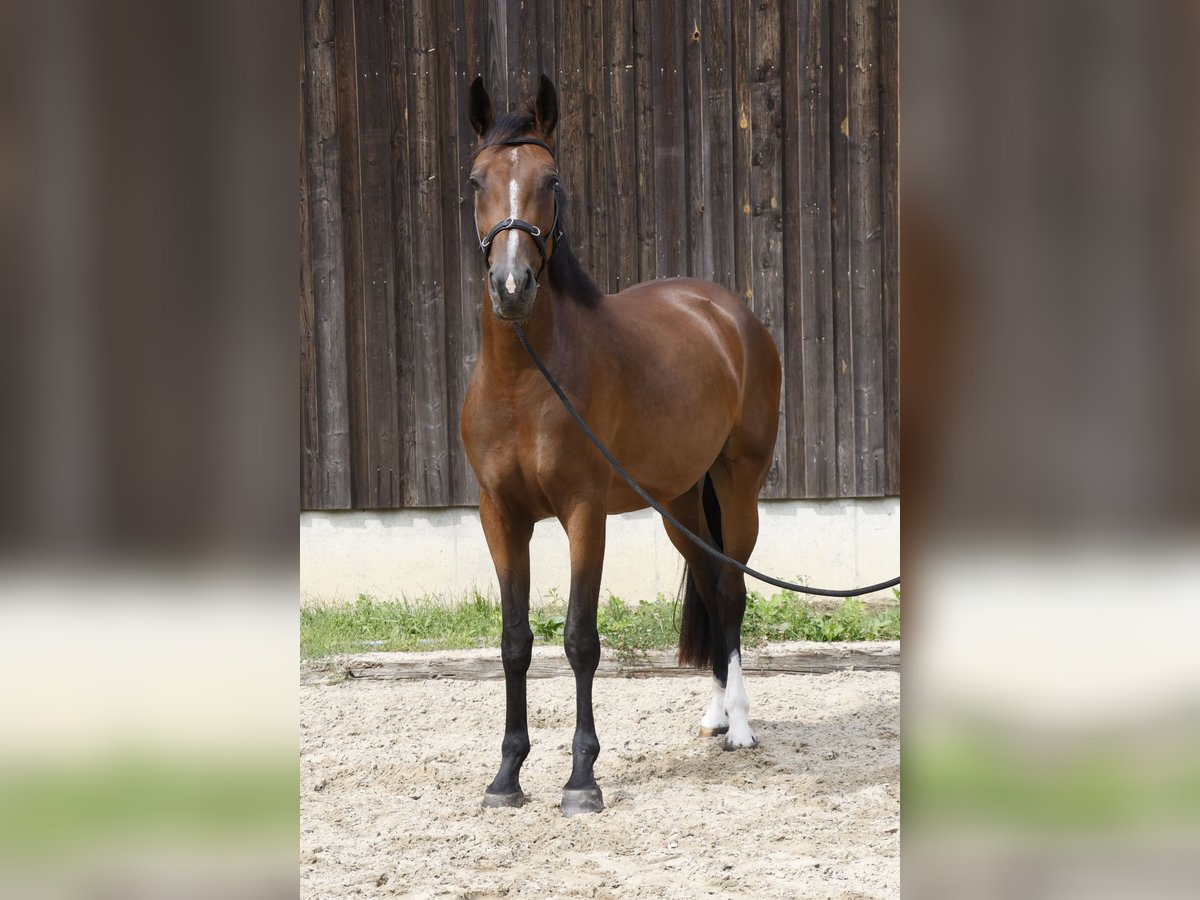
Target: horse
[[677, 376]]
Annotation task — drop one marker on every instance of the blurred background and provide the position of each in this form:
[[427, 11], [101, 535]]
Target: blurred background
[[148, 477], [1050, 394], [149, 398]]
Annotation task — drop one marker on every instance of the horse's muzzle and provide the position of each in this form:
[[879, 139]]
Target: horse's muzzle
[[512, 292]]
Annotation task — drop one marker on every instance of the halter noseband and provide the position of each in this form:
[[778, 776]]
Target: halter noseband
[[514, 224]]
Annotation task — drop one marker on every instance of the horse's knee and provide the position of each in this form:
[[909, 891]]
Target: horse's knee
[[516, 648], [582, 644]]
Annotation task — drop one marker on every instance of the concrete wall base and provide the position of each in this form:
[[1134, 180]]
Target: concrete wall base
[[390, 554]]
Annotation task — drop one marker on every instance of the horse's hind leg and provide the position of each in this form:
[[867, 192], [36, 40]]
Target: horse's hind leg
[[736, 484], [702, 641]]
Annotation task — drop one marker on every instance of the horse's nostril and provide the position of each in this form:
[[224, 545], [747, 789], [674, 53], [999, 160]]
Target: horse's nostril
[[528, 278]]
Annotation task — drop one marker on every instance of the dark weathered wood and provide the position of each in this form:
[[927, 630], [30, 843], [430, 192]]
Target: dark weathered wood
[[889, 55], [572, 151], [839, 178], [866, 260], [331, 402], [620, 148], [766, 205], [812, 333], [740, 70], [310, 440], [750, 143], [643, 101], [593, 199], [378, 263], [352, 247], [658, 664], [696, 127], [428, 464], [718, 137], [496, 57], [670, 190], [453, 147], [791, 26]]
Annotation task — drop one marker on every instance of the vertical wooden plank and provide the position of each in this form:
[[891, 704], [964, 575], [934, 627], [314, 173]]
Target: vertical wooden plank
[[428, 466], [620, 149], [889, 58], [522, 30], [594, 200], [839, 175], [766, 209], [792, 34], [866, 261], [352, 243], [547, 40], [378, 262], [496, 78], [643, 120], [813, 330], [310, 450], [451, 82], [696, 144], [670, 189], [740, 72], [471, 48], [718, 136], [328, 272], [572, 154]]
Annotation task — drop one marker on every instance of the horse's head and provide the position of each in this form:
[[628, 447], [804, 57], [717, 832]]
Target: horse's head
[[515, 179]]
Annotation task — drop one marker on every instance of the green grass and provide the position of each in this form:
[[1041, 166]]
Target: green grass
[[436, 623]]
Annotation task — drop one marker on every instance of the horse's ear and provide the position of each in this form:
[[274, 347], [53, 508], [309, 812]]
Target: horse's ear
[[547, 106], [479, 108]]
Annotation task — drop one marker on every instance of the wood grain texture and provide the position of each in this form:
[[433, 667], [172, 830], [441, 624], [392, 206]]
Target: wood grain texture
[[765, 191], [427, 464], [750, 143], [310, 440], [889, 141], [866, 259], [839, 178], [812, 332]]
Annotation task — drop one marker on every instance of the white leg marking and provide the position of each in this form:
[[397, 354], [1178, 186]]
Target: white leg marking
[[715, 717], [737, 705]]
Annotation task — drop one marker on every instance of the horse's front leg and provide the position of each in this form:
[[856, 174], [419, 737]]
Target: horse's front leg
[[585, 530], [508, 541]]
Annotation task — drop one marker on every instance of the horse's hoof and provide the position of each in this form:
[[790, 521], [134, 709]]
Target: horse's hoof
[[583, 800], [725, 745], [705, 731], [499, 801]]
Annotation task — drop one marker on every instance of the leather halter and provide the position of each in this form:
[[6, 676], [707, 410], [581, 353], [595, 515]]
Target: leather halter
[[514, 224]]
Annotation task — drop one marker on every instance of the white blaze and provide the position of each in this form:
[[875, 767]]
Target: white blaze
[[737, 705], [510, 285], [514, 191]]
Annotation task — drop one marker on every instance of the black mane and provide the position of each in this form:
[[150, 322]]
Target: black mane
[[567, 276]]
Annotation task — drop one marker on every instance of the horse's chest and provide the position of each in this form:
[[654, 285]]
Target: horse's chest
[[512, 454]]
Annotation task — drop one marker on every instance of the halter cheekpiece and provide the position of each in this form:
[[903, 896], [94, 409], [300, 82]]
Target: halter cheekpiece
[[514, 224]]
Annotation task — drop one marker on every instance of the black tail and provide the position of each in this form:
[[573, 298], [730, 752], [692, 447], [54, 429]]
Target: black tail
[[696, 628]]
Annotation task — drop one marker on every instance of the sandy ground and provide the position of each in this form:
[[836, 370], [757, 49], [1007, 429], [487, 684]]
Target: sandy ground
[[392, 774]]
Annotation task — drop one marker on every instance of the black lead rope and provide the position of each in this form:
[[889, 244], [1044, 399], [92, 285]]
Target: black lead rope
[[658, 507]]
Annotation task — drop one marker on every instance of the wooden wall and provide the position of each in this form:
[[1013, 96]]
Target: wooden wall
[[751, 143]]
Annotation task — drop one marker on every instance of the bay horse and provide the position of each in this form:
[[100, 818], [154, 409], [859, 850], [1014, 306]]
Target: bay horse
[[679, 379]]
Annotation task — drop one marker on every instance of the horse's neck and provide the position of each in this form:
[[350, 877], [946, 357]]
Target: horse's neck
[[502, 351]]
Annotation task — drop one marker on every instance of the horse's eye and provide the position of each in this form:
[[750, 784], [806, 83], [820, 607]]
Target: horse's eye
[[552, 184], [473, 182]]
